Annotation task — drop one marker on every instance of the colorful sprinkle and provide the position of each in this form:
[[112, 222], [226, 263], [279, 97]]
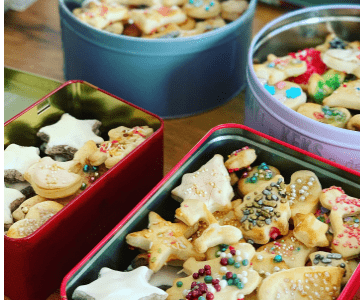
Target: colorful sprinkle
[[293, 92], [270, 89]]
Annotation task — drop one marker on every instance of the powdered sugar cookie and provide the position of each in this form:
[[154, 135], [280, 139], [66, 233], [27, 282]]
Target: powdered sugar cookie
[[304, 192], [133, 285], [288, 93], [344, 60], [354, 123], [317, 282], [256, 178], [310, 231], [101, 14], [347, 95], [68, 135], [164, 240], [277, 69], [264, 209], [233, 9], [17, 159], [150, 19], [52, 180], [334, 116], [210, 184], [23, 209], [23, 228], [202, 9], [12, 199], [43, 211], [240, 159]]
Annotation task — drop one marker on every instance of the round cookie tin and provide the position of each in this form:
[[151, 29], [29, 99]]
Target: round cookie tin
[[170, 77], [304, 28]]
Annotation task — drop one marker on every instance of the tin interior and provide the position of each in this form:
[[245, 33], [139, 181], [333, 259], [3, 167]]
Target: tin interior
[[307, 30], [115, 253], [82, 101]]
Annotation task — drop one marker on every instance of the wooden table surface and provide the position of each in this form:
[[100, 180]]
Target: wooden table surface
[[32, 43]]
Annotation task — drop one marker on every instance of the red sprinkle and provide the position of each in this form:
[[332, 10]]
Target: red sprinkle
[[319, 115]]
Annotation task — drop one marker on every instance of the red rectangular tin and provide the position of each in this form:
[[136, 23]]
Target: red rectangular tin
[[35, 265], [113, 252]]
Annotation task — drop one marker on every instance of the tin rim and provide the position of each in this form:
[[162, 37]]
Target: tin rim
[[328, 131]]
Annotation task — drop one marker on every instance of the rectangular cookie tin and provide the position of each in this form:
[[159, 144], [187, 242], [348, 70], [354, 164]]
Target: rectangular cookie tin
[[35, 265], [113, 251], [304, 28]]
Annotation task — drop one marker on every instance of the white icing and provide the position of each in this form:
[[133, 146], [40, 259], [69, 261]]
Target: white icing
[[10, 195], [345, 54], [69, 131], [115, 285], [166, 276], [20, 158]]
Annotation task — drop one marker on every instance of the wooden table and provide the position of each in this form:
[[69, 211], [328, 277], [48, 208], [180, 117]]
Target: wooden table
[[32, 43]]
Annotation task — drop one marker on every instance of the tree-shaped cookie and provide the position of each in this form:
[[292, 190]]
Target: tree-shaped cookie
[[223, 278], [165, 241]]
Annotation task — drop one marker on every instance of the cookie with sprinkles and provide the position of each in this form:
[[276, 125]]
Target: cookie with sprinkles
[[277, 69], [240, 159], [322, 258], [135, 135], [347, 95], [266, 263], [332, 41], [344, 217], [334, 116], [164, 241], [264, 210], [224, 278], [202, 9], [210, 184], [293, 252], [256, 178], [304, 192], [310, 231], [302, 283], [344, 60]]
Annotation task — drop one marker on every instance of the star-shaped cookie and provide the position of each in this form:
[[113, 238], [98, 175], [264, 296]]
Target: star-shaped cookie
[[17, 159], [210, 184], [164, 240], [12, 199], [111, 284]]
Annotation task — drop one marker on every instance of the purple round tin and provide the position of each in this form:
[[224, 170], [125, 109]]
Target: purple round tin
[[301, 29]]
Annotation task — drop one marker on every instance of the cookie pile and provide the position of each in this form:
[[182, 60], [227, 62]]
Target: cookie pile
[[160, 18], [39, 182], [241, 232], [322, 83]]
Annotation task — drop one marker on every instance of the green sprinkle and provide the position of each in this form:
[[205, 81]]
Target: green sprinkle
[[179, 284], [237, 265], [208, 279], [153, 259], [245, 262], [231, 261]]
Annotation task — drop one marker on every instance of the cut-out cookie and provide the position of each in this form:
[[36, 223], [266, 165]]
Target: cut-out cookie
[[302, 283], [135, 135], [12, 199], [17, 159], [202, 9], [164, 240], [23, 228], [51, 179], [210, 184], [263, 210], [310, 231], [23, 209], [222, 278], [346, 231], [322, 258], [304, 192], [23, 187], [111, 284], [288, 93], [335, 116], [277, 69], [232, 9], [266, 263], [347, 95], [257, 178], [334, 42], [68, 135], [344, 60], [293, 252], [116, 27], [354, 123], [240, 159], [101, 14]]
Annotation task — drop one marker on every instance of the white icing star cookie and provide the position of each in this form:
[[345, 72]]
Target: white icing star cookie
[[210, 184], [12, 199], [17, 159], [115, 285]]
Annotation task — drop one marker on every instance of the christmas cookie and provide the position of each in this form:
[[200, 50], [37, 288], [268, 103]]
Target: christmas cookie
[[344, 60], [23, 209], [202, 9], [354, 123], [347, 95], [12, 199], [233, 9], [164, 240], [240, 159], [116, 27], [43, 211], [334, 42], [17, 159], [23, 187], [334, 116], [23, 228], [135, 135], [266, 263], [210, 184], [310, 231], [111, 284], [68, 135], [265, 210], [257, 177]]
